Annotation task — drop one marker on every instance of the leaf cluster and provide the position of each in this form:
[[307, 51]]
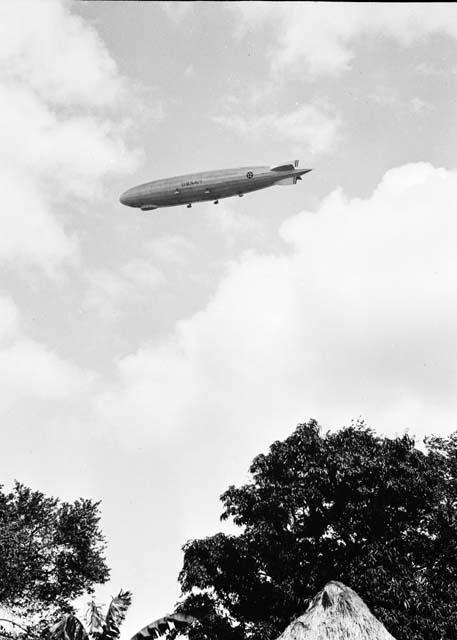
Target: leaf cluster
[[100, 627], [378, 514], [51, 552]]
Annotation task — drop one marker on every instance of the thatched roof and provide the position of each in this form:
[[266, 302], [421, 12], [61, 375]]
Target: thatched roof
[[336, 613]]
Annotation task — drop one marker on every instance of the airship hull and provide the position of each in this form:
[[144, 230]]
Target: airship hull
[[208, 186]]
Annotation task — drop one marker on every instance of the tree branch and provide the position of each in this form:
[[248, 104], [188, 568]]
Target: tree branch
[[14, 624]]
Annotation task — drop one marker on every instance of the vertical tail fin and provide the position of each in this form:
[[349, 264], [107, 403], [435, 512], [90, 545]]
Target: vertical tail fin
[[288, 166]]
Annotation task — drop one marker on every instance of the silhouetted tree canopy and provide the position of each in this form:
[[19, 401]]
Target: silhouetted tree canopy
[[377, 514], [51, 552]]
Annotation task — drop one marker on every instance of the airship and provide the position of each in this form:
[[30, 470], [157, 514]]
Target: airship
[[209, 185]]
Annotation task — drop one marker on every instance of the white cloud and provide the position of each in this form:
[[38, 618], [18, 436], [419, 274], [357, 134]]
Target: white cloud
[[323, 34], [444, 69], [177, 11], [307, 127], [111, 291], [30, 232], [232, 223], [59, 134], [55, 53], [171, 249], [189, 71], [419, 106], [30, 371], [357, 317], [69, 155], [384, 95], [9, 318]]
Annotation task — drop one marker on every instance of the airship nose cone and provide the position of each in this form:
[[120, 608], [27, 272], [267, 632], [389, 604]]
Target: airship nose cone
[[126, 198]]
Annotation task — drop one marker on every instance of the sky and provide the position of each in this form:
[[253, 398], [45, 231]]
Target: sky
[[146, 358]]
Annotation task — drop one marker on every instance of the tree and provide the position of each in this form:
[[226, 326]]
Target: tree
[[100, 627], [377, 514], [51, 552]]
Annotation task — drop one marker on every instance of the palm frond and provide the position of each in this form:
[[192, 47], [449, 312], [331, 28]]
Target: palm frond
[[69, 628], [95, 620], [174, 622], [116, 615]]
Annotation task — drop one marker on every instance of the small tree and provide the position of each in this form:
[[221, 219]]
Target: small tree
[[100, 627], [377, 514], [51, 552]]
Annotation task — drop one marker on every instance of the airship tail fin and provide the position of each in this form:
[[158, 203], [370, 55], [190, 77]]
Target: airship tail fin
[[288, 166]]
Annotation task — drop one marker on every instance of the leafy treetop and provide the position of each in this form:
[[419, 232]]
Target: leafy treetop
[[378, 514], [51, 552]]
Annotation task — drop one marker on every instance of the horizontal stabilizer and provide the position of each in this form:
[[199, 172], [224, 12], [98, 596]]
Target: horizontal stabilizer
[[291, 180], [288, 166]]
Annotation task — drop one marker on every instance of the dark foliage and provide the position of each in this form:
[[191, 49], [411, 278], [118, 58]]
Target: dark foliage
[[377, 514], [101, 627], [171, 626], [69, 628], [115, 617], [51, 552]]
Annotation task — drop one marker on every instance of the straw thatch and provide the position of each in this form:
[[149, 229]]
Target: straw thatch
[[336, 613]]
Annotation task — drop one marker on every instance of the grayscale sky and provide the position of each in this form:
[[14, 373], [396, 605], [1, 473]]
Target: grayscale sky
[[146, 358]]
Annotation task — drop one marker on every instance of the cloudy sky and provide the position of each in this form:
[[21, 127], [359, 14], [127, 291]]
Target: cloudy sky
[[146, 358]]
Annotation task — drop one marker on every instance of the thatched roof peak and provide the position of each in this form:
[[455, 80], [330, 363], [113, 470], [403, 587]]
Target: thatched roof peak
[[336, 613]]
